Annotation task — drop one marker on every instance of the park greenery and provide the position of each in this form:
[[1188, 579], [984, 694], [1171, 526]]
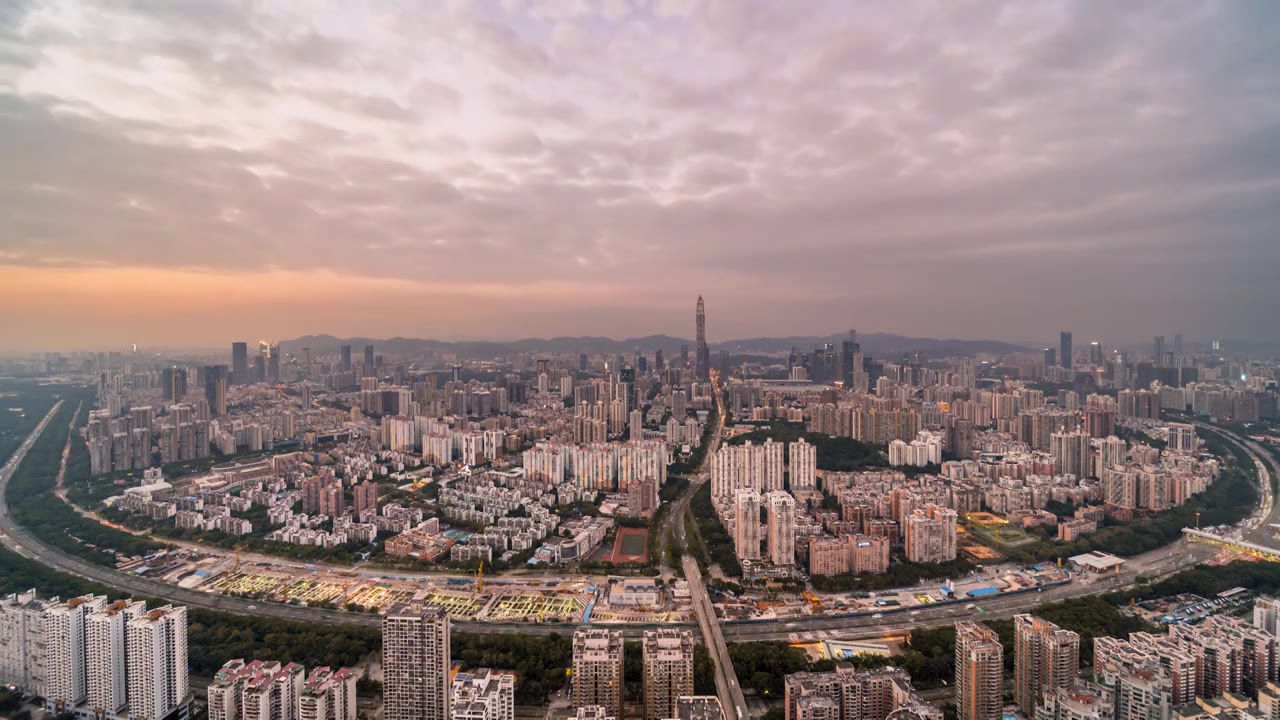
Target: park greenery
[[928, 654], [23, 404], [714, 542], [1227, 501], [33, 504], [901, 573], [840, 454]]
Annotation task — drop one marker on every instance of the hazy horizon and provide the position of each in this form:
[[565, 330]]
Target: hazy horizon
[[189, 174]]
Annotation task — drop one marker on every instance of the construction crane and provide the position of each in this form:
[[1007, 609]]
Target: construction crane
[[479, 586]]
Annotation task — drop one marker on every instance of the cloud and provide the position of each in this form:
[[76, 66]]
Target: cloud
[[932, 168]]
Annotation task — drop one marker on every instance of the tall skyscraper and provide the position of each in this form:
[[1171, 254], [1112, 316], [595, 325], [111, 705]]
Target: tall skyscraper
[[978, 672], [1064, 349], [415, 662], [667, 656], [597, 670], [1157, 351], [240, 363], [368, 361], [1095, 354], [1050, 357], [704, 355], [215, 389], [851, 362], [273, 362], [782, 527], [344, 361], [1177, 345], [174, 383], [157, 662], [1045, 658]]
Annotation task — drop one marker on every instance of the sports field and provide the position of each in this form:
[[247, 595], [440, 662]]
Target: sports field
[[631, 545]]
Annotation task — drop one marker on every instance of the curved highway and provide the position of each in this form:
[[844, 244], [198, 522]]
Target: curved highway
[[1156, 563]]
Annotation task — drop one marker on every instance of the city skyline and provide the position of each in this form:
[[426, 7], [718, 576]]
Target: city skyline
[[510, 170], [669, 342]]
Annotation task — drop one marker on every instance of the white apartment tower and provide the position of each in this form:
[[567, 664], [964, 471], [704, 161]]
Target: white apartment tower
[[22, 643], [782, 527], [66, 679], [746, 525], [770, 459], [668, 670], [803, 465], [415, 663], [157, 662], [105, 655]]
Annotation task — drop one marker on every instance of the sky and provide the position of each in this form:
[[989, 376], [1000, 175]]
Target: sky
[[189, 172]]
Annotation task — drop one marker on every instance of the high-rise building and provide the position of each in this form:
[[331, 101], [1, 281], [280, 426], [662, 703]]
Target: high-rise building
[[215, 389], [597, 669], [344, 355], [1177, 345], [1157, 351], [1050, 357], [368, 362], [802, 466], [929, 534], [979, 669], [415, 662], [273, 362], [66, 678], [1045, 658], [240, 363], [667, 657], [105, 656], [22, 644], [703, 369], [782, 527], [1072, 453], [746, 525], [173, 383], [157, 663], [1095, 354], [1065, 357], [365, 497]]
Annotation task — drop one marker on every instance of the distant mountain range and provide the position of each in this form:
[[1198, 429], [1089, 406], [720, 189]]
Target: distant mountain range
[[879, 344]]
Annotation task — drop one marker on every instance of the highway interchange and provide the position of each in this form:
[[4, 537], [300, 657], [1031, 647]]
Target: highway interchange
[[715, 633]]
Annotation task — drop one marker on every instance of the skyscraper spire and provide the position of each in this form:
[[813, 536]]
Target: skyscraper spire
[[703, 360]]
